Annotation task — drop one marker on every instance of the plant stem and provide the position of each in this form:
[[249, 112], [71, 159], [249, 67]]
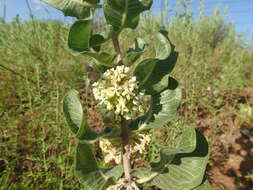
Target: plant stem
[[125, 149], [115, 41], [124, 123]]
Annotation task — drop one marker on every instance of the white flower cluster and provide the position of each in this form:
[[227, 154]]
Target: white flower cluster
[[118, 90], [112, 148], [139, 145]]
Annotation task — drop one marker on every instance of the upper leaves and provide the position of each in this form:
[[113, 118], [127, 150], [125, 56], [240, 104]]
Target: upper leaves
[[153, 72], [80, 40], [124, 13], [74, 8], [79, 35]]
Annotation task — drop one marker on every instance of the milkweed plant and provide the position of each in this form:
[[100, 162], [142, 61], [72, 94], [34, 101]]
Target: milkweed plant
[[126, 81]]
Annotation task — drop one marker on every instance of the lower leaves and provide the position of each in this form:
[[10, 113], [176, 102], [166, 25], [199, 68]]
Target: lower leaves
[[89, 174], [184, 171]]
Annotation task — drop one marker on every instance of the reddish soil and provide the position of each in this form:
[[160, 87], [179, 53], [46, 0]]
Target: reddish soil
[[232, 150], [232, 162]]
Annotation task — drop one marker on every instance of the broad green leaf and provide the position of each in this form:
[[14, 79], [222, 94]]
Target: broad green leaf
[[79, 35], [185, 172], [162, 46], [74, 8], [73, 112], [186, 144], [124, 13], [135, 51], [154, 79], [88, 172], [163, 108], [204, 186]]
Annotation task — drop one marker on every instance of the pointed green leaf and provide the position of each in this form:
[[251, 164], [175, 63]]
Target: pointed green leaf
[[73, 112], [124, 13], [163, 108], [185, 172], [79, 35], [204, 186], [88, 172], [75, 8]]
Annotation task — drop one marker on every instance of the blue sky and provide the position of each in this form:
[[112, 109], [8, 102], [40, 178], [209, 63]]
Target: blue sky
[[240, 12]]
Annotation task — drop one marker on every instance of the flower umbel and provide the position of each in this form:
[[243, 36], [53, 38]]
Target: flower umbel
[[118, 91], [111, 147]]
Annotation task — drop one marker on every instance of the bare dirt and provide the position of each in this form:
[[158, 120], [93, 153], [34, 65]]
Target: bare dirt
[[232, 151]]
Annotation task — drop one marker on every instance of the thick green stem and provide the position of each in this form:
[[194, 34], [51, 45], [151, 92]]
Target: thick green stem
[[124, 123]]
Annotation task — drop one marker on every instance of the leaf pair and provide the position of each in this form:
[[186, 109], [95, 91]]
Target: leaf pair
[[181, 168], [118, 13]]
